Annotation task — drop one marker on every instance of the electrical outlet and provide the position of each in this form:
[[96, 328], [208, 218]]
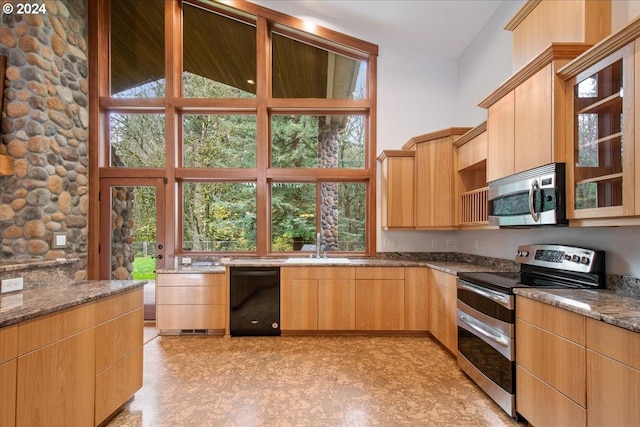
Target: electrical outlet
[[389, 243], [10, 285], [449, 243], [434, 243], [186, 261]]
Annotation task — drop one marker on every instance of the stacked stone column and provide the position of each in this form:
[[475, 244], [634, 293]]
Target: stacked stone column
[[328, 158], [45, 131]]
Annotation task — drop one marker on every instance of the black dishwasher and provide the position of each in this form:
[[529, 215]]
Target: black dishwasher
[[254, 301]]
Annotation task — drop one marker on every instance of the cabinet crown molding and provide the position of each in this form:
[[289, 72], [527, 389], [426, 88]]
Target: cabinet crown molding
[[443, 133], [482, 127], [521, 15], [396, 153], [601, 50], [555, 52]]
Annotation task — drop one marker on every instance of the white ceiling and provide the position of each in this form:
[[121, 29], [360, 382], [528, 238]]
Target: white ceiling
[[444, 27]]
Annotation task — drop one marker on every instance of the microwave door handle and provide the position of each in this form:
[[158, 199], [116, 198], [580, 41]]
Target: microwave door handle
[[532, 209]]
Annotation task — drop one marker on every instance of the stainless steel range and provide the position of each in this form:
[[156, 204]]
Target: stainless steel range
[[486, 310]]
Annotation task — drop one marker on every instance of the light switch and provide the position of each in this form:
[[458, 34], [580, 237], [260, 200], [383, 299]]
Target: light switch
[[59, 240]]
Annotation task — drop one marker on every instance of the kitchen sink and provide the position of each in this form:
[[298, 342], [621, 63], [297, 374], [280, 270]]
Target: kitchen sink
[[318, 261]]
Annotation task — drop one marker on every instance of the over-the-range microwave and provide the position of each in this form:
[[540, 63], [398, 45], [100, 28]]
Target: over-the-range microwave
[[529, 198]]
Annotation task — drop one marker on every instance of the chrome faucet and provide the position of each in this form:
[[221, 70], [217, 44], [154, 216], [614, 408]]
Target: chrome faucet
[[318, 242]]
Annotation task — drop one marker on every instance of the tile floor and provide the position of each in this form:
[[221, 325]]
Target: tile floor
[[305, 381]]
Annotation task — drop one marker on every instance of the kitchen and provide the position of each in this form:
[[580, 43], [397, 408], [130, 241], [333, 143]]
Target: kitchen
[[472, 84]]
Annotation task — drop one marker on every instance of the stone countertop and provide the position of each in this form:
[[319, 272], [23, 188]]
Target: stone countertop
[[40, 300], [449, 267], [604, 305], [8, 266]]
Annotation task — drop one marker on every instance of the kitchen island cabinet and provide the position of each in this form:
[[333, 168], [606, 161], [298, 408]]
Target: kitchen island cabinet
[[191, 301], [8, 371], [54, 354]]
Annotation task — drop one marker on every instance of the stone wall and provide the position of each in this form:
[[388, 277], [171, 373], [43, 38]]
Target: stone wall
[[45, 130], [328, 158], [122, 200]]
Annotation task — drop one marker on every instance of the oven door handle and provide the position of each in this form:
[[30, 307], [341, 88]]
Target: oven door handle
[[476, 326], [499, 298], [532, 209]]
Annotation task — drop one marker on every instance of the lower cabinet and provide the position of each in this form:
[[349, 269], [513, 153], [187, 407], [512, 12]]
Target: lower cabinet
[[354, 299], [442, 308], [74, 367], [191, 301], [551, 364], [380, 299], [119, 340], [613, 375]]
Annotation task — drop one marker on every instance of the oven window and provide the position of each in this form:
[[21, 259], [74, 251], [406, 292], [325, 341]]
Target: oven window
[[487, 359]]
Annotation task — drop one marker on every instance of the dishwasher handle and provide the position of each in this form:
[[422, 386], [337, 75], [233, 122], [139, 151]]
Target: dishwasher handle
[[255, 273]]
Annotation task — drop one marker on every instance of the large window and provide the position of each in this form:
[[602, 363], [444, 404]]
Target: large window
[[263, 133]]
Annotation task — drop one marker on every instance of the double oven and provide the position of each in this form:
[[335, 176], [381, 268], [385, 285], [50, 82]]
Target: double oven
[[486, 311]]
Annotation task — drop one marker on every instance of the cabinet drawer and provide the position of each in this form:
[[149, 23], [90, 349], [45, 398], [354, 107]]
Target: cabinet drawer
[[8, 343], [617, 343], [38, 332], [613, 392], [555, 360], [561, 322], [176, 317], [288, 273], [209, 279], [192, 295], [119, 337], [117, 384], [115, 305], [8, 394], [542, 405], [382, 273]]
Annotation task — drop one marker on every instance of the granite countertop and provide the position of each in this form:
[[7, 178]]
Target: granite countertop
[[40, 300], [450, 267], [604, 305]]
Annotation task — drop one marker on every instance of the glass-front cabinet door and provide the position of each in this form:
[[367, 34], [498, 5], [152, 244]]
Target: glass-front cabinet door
[[601, 168]]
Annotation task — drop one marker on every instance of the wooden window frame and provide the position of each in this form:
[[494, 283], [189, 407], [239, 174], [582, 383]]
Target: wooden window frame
[[173, 105]]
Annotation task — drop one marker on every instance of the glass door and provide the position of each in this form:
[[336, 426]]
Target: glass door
[[601, 164], [130, 247]]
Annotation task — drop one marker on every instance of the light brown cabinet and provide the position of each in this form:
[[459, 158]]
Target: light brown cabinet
[[8, 372], [191, 301], [380, 299], [613, 375], [119, 339], [434, 182], [471, 178], [72, 367], [317, 298], [526, 115], [416, 299], [442, 308], [550, 364], [397, 172], [603, 159]]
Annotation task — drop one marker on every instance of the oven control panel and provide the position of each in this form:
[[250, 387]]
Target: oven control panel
[[561, 257]]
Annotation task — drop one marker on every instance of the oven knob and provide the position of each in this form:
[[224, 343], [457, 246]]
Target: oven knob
[[524, 253], [584, 260], [567, 257], [575, 258]]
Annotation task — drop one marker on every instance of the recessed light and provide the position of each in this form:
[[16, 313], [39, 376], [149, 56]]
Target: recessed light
[[251, 82]]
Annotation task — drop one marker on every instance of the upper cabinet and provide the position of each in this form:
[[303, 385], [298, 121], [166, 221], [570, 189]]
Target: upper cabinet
[[434, 183], [525, 121], [471, 178], [539, 23], [603, 175], [397, 172]]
